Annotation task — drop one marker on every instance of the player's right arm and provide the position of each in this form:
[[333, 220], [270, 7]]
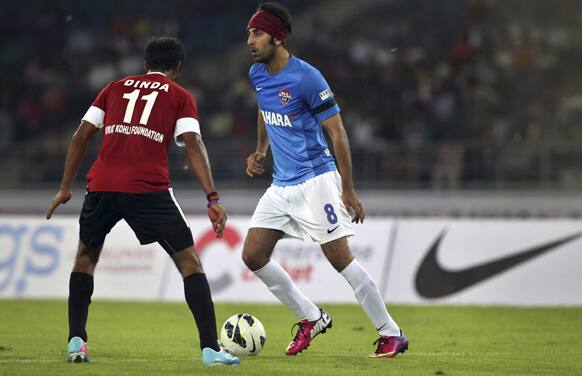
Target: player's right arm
[[90, 124], [256, 161], [75, 154]]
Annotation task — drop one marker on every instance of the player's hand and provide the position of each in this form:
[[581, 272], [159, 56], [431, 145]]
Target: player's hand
[[217, 217], [255, 164], [62, 196], [354, 205]]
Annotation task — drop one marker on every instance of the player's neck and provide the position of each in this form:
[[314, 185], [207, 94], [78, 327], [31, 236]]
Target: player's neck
[[279, 61], [171, 74]]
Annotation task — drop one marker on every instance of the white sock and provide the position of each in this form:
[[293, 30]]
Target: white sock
[[369, 298], [281, 285]]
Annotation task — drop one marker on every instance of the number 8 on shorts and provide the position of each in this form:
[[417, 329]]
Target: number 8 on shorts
[[331, 216]]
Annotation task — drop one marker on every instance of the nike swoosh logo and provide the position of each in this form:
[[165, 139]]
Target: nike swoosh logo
[[259, 89], [434, 281], [254, 347], [332, 230]]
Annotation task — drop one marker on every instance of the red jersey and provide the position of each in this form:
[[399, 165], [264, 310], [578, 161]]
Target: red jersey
[[139, 115]]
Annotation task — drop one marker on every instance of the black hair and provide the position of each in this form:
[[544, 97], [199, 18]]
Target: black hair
[[279, 11], [163, 53]]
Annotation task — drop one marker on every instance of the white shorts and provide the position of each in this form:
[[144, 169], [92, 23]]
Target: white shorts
[[311, 210]]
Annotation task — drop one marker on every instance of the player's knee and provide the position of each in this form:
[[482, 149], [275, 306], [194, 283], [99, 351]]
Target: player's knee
[[86, 258], [338, 253], [187, 262], [83, 266], [189, 269], [340, 262], [249, 259], [253, 260]]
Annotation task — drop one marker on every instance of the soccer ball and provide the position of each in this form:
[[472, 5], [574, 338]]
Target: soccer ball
[[243, 334]]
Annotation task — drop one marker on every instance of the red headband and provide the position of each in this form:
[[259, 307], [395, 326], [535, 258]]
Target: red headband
[[270, 24]]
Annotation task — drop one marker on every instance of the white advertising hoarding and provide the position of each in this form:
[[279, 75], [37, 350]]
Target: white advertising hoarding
[[230, 279], [442, 261], [36, 258], [521, 262]]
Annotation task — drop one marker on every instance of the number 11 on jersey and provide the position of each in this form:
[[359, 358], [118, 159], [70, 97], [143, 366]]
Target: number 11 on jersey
[[132, 97]]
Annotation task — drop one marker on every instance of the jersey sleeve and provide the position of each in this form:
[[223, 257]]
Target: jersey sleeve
[[96, 113], [187, 118], [318, 96]]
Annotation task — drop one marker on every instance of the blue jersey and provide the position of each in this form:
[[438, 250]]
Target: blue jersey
[[293, 103]]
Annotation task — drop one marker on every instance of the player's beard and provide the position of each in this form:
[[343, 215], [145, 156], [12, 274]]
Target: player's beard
[[269, 52]]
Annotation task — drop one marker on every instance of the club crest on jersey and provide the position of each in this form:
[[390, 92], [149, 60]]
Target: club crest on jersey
[[285, 96]]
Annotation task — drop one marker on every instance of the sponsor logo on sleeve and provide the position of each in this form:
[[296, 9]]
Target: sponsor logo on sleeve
[[325, 94]]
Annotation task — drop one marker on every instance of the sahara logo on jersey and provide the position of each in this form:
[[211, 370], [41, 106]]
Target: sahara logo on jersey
[[273, 118], [285, 96]]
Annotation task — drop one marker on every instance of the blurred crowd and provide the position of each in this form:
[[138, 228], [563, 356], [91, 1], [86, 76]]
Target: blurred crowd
[[434, 94], [450, 93]]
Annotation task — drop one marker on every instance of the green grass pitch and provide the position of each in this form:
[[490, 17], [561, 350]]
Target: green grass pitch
[[160, 339]]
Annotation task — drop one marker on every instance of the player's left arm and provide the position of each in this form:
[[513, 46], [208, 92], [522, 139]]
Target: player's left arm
[[75, 154], [187, 134], [198, 158], [341, 147]]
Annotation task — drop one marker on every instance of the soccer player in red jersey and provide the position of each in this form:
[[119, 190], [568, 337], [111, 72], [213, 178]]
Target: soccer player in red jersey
[[138, 117]]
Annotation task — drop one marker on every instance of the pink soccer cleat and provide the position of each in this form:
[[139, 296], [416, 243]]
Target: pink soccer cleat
[[308, 330], [389, 347]]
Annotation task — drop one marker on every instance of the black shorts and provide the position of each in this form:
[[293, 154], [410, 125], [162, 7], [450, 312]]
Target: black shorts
[[153, 217]]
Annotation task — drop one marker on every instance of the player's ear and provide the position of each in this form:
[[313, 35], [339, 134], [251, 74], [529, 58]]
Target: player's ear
[[178, 68], [277, 42], [145, 67]]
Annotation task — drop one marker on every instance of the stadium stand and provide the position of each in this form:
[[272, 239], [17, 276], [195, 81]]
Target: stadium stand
[[460, 95]]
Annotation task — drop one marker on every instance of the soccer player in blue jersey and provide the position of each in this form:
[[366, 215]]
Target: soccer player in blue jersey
[[308, 199]]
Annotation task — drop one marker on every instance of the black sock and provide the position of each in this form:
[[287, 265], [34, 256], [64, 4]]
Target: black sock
[[198, 297], [80, 291]]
